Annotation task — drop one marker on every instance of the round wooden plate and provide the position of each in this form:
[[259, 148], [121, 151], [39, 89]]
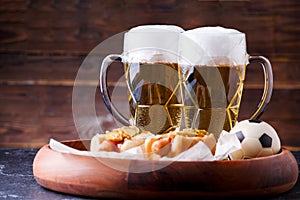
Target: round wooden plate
[[87, 176]]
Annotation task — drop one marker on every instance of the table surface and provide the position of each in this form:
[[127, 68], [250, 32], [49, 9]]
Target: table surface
[[17, 180]]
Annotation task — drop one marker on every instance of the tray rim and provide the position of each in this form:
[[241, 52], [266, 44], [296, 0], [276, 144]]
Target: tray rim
[[283, 150]]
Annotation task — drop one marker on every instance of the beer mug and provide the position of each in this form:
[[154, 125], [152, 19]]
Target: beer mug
[[213, 62], [149, 57]]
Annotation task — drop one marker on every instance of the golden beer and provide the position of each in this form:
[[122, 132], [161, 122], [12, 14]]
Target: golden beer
[[155, 99], [213, 94]]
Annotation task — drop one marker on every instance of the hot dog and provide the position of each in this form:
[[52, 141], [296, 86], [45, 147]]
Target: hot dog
[[155, 146]]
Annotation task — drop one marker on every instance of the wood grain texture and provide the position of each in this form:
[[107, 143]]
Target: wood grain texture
[[43, 45], [77, 26], [96, 177], [62, 70], [32, 114]]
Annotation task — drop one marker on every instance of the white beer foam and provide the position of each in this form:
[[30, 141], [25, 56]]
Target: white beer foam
[[213, 46], [150, 43]]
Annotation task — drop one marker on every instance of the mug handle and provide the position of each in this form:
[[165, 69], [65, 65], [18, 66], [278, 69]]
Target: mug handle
[[104, 92], [268, 85]]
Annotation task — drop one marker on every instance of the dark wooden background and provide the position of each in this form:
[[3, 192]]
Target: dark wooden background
[[43, 44]]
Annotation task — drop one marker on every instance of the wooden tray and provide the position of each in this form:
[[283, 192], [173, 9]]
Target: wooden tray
[[87, 176]]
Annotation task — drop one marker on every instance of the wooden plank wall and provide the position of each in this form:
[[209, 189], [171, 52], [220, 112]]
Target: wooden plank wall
[[43, 44]]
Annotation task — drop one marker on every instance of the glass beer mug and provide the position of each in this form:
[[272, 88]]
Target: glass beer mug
[[213, 62], [151, 73]]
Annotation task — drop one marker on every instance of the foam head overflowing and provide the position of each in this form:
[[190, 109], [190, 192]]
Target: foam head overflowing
[[213, 46], [152, 43]]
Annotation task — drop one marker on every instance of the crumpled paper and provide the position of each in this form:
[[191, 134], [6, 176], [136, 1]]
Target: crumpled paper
[[227, 143]]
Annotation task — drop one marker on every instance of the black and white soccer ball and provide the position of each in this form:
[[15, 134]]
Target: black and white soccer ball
[[257, 138]]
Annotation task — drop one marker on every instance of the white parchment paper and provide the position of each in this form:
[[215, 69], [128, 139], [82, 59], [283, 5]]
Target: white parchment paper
[[227, 143]]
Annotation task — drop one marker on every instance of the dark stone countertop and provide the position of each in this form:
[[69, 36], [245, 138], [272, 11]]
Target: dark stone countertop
[[17, 180]]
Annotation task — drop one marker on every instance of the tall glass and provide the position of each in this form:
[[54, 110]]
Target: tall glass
[[213, 61], [152, 78]]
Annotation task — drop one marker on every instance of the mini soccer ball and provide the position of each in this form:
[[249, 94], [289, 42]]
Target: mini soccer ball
[[257, 139]]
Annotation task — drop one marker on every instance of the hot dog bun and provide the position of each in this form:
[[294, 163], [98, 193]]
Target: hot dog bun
[[155, 146]]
